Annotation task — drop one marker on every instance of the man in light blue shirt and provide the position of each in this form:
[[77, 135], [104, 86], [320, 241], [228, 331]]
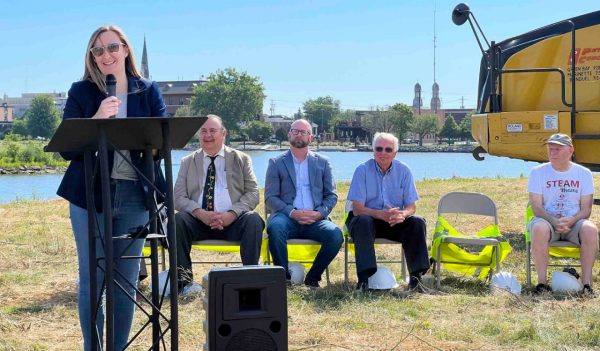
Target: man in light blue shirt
[[300, 192], [384, 197]]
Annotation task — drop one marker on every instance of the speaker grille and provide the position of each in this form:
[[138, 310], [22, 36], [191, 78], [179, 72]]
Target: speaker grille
[[251, 339]]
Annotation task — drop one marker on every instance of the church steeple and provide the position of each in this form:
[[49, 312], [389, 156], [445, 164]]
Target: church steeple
[[417, 101], [436, 103], [145, 69]]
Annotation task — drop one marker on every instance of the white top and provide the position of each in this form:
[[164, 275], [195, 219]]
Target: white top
[[222, 198], [561, 191]]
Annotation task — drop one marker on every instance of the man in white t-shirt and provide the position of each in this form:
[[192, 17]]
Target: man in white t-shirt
[[561, 196]]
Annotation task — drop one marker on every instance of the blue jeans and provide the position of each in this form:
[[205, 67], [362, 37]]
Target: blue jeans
[[281, 228], [129, 210]]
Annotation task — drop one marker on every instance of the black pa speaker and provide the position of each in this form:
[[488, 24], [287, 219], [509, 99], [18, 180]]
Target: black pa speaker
[[246, 309]]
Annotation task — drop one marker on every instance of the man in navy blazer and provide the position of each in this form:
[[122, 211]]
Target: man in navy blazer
[[300, 192]]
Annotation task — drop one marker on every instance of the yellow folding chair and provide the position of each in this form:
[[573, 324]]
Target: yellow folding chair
[[558, 249], [302, 251], [449, 246], [225, 246], [349, 247]]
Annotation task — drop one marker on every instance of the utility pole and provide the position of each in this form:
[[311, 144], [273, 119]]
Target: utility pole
[[272, 108]]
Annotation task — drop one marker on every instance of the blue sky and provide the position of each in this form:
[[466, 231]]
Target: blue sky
[[363, 53]]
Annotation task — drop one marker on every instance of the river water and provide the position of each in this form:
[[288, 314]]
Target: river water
[[424, 165]]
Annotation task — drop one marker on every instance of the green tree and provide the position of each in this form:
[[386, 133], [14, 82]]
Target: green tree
[[379, 121], [397, 119], [342, 117], [281, 135], [234, 96], [450, 130], [465, 126], [19, 127], [258, 131], [321, 111], [403, 119], [42, 118], [185, 111], [425, 124]]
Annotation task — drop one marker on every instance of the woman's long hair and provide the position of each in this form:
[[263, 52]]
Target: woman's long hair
[[92, 72]]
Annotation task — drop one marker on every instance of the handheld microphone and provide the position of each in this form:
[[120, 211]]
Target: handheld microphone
[[111, 86]]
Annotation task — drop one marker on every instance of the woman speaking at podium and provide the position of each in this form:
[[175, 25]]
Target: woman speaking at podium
[[109, 52]]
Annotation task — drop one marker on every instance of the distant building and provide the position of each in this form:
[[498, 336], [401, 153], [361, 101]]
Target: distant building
[[20, 104], [436, 103], [6, 118], [436, 109], [279, 122], [457, 113], [177, 93], [353, 130]]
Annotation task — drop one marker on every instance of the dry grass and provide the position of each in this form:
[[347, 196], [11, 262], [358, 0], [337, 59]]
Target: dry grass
[[38, 307]]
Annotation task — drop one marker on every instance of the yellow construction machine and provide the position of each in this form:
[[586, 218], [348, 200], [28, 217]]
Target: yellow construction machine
[[536, 84]]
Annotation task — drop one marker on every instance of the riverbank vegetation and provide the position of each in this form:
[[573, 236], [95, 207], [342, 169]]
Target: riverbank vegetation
[[16, 152], [38, 277]]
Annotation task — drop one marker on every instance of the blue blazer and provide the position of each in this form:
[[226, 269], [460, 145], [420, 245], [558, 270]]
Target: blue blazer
[[143, 100], [280, 184]]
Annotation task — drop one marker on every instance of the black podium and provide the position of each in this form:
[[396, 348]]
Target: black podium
[[142, 133]]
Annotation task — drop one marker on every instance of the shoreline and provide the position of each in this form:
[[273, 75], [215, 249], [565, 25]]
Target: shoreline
[[39, 170], [24, 170]]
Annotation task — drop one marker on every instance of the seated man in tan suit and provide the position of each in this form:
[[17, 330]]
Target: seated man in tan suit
[[215, 195]]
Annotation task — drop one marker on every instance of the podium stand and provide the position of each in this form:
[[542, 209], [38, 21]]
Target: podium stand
[[141, 133]]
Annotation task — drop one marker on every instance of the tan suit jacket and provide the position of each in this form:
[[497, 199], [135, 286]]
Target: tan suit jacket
[[241, 182]]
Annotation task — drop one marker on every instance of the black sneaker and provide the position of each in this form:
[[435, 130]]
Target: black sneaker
[[311, 283], [415, 285], [362, 286], [588, 291], [541, 288]]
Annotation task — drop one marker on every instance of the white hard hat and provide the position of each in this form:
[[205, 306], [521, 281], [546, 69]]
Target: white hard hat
[[296, 270], [162, 279], [565, 283], [383, 279], [505, 281]]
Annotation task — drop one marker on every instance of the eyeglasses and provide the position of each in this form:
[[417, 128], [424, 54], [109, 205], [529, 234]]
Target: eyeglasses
[[211, 131], [388, 150], [299, 131], [98, 51]]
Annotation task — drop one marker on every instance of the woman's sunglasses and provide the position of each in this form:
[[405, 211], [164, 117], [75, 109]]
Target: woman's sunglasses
[[389, 150], [98, 51]]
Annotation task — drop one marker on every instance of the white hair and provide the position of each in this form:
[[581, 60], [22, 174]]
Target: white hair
[[386, 136]]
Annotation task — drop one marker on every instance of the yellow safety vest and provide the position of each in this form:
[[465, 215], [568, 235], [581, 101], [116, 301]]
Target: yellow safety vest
[[459, 260]]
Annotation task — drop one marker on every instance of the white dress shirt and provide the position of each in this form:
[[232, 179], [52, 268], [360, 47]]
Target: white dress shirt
[[303, 200], [222, 198]]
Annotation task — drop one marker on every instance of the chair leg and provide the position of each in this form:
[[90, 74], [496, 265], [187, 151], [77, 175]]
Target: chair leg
[[528, 268], [346, 263], [438, 264], [404, 268], [497, 259], [327, 276]]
